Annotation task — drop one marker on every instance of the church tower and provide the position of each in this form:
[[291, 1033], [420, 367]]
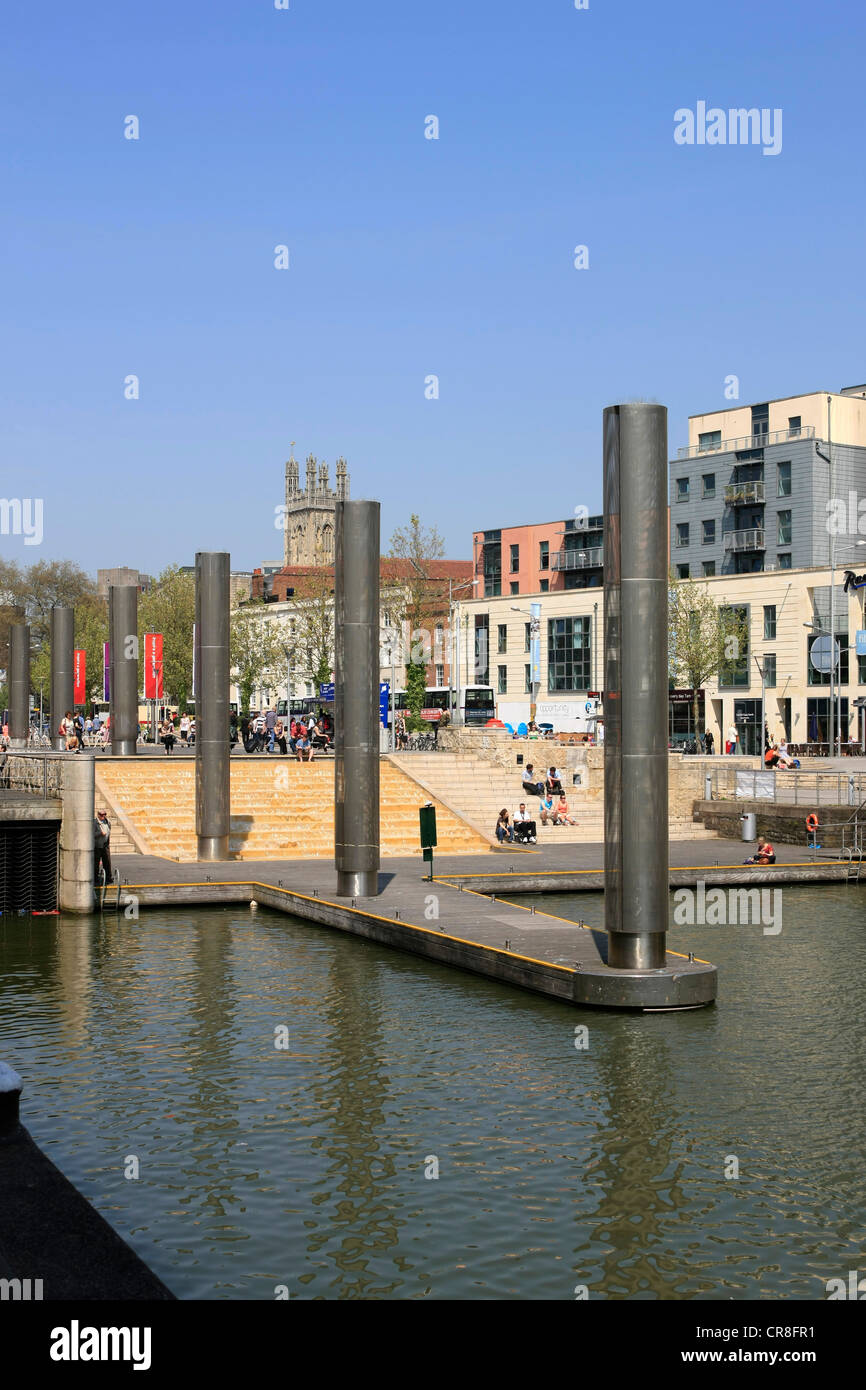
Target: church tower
[[309, 517]]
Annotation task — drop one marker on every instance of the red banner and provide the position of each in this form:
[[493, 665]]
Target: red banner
[[79, 677], [153, 666]]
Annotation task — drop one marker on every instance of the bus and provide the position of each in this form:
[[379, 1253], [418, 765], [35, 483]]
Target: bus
[[476, 703]]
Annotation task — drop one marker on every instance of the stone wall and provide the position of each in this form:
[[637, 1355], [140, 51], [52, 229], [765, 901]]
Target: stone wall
[[780, 823]]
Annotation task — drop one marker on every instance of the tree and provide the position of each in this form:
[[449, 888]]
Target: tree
[[40, 587], [91, 632], [413, 600], [169, 608], [703, 639], [257, 653]]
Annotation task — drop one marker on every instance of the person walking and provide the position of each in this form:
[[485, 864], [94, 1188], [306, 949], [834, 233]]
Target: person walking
[[270, 726], [101, 846], [184, 730], [731, 741], [708, 742]]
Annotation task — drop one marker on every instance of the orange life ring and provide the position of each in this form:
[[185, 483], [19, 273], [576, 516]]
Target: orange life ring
[[812, 822]]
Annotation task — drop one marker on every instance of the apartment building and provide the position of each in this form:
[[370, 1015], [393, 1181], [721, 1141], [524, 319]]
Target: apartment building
[[550, 557], [752, 489], [785, 613]]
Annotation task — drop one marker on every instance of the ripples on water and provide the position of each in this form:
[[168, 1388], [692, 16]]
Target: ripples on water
[[306, 1167]]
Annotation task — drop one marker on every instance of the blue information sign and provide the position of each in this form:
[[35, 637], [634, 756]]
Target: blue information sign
[[860, 642], [326, 690], [384, 687]]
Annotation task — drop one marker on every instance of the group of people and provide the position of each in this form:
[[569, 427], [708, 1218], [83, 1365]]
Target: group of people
[[267, 732], [79, 732], [777, 755], [552, 808]]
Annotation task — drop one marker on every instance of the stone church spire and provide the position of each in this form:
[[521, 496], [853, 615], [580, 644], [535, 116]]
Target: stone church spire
[[309, 513]]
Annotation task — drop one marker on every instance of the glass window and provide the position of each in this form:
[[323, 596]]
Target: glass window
[[682, 489], [769, 664], [734, 672], [823, 677], [784, 532], [769, 622], [861, 670], [544, 555], [708, 532], [682, 571], [545, 586], [440, 675], [515, 587], [502, 638], [482, 666], [515, 558], [708, 485], [784, 562], [526, 637], [527, 681], [568, 653], [709, 568], [682, 533], [502, 679], [710, 439], [794, 425], [783, 484]]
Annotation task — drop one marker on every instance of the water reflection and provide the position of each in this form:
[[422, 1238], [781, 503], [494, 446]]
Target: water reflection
[[557, 1166]]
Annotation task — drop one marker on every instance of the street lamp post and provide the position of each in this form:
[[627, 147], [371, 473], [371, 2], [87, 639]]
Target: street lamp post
[[762, 670]]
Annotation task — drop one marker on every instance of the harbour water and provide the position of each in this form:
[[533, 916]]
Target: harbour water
[[313, 1116]]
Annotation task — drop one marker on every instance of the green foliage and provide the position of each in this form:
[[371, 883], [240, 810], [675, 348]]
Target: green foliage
[[703, 639], [257, 654], [169, 608], [416, 687]]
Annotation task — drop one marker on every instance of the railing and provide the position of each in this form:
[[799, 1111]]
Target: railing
[[744, 540], [590, 558], [747, 441], [36, 774], [807, 789], [740, 493]]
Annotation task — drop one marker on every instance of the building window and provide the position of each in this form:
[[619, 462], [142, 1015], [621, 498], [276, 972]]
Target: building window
[[515, 559], [709, 568], [482, 662], [770, 670], [526, 638], [682, 489], [708, 532], [708, 485], [760, 421], [440, 675], [784, 562], [545, 586], [502, 680], [502, 637], [568, 653], [784, 532], [794, 425], [682, 533], [527, 680], [515, 587], [783, 484], [823, 677], [710, 439], [544, 555], [861, 670], [682, 571], [734, 673], [769, 622]]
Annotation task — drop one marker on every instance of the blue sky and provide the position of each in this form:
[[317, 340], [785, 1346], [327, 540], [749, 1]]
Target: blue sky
[[409, 256]]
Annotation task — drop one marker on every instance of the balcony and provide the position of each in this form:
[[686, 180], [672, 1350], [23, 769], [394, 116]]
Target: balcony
[[590, 558], [748, 441], [740, 494], [745, 540]]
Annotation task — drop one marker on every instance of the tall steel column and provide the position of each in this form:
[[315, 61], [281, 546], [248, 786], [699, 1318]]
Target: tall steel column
[[62, 680], [636, 685], [123, 640], [212, 670], [356, 679], [19, 685]]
